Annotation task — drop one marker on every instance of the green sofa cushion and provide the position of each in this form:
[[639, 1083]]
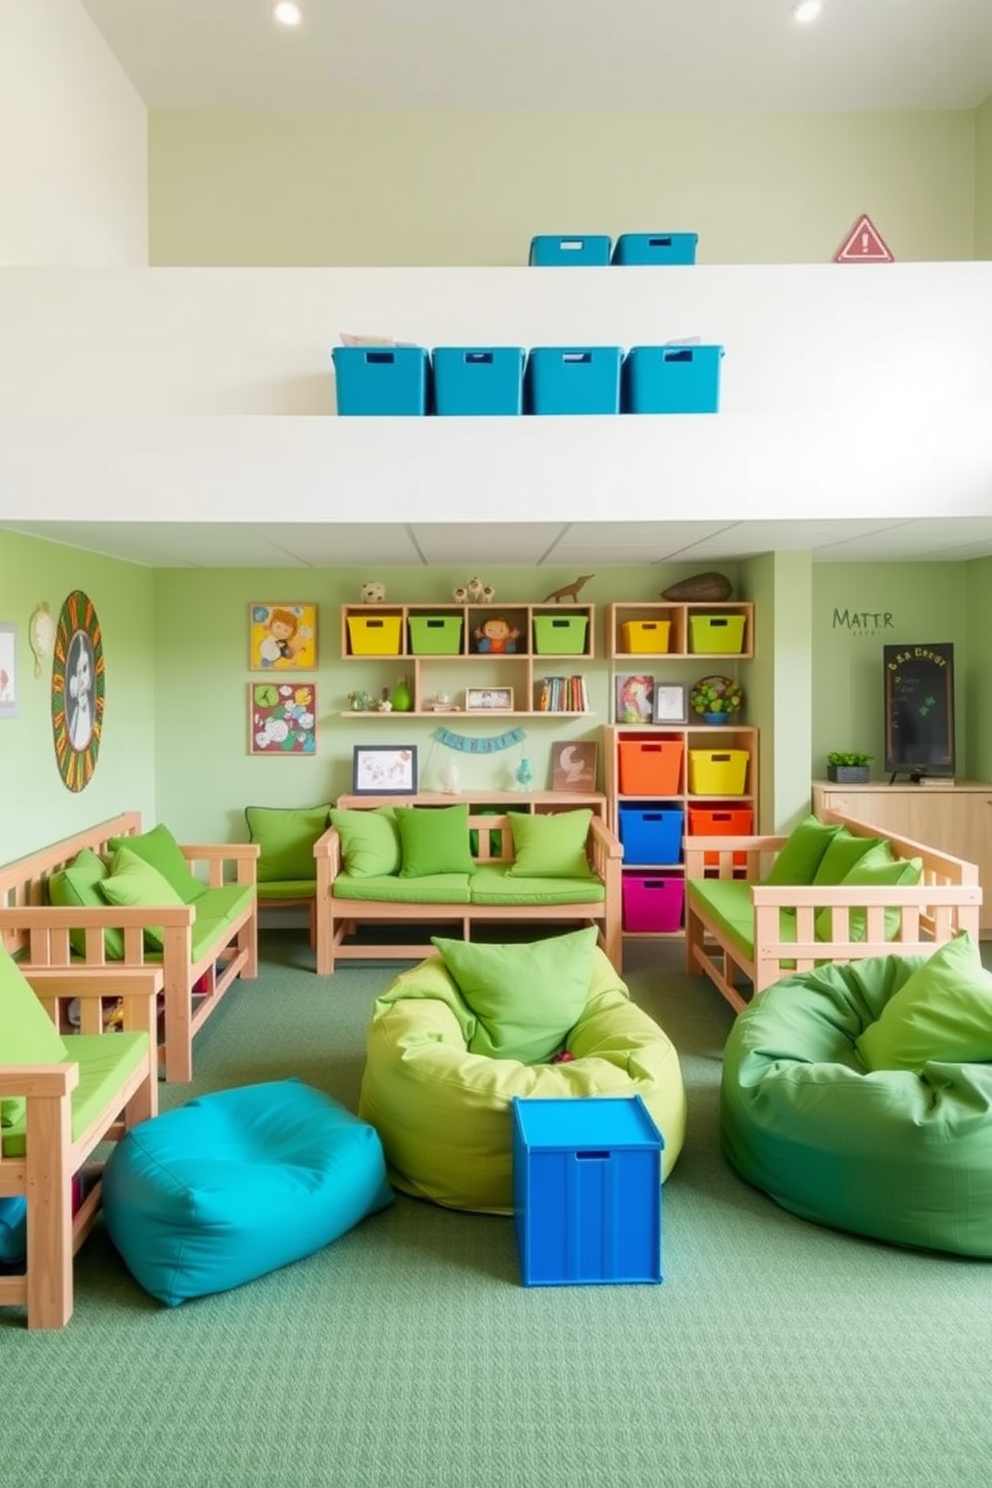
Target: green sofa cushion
[[526, 997], [133, 882], [78, 885], [288, 888], [370, 841], [841, 855], [942, 1012], [159, 848], [552, 846], [439, 888], [286, 836], [497, 886], [27, 1033], [225, 902], [877, 868], [802, 852], [727, 902], [434, 840], [105, 1061]]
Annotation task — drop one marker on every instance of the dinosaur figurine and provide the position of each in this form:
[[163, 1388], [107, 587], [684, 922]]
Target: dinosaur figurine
[[568, 591]]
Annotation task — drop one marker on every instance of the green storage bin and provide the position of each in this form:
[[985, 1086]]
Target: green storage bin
[[560, 635], [436, 635], [716, 635]]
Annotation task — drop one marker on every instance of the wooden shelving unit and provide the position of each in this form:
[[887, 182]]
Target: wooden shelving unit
[[682, 621]]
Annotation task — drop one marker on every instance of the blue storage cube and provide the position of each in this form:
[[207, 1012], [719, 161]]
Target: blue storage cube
[[671, 379], [586, 250], [564, 379], [474, 380], [649, 835], [655, 248], [586, 1190], [381, 379]]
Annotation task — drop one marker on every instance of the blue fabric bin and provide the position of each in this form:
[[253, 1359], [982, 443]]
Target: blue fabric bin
[[381, 379], [655, 248], [478, 379], [650, 835], [573, 379], [586, 250], [671, 379]]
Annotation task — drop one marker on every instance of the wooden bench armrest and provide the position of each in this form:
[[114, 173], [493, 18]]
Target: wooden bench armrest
[[51, 1081], [327, 856], [757, 847], [244, 856]]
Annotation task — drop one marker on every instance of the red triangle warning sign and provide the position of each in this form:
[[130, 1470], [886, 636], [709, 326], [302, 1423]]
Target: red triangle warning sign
[[864, 245]]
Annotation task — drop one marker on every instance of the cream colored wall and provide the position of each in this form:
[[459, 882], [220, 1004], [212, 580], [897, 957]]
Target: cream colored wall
[[73, 143], [983, 180], [380, 188]]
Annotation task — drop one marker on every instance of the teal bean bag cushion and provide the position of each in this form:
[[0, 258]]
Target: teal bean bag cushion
[[899, 1154], [234, 1184]]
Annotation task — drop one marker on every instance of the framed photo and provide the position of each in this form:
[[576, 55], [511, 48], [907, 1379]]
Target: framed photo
[[384, 770], [573, 765], [8, 670], [282, 718], [634, 698], [282, 636], [489, 699], [671, 702]]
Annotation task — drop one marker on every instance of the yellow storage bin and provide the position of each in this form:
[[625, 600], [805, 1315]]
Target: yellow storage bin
[[716, 635], [374, 635], [645, 635], [718, 772]]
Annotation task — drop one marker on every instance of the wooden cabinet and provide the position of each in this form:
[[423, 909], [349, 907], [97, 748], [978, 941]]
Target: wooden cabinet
[[488, 659], [638, 632], [954, 817], [534, 802]]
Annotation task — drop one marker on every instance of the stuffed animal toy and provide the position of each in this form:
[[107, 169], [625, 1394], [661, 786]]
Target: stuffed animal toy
[[475, 592], [373, 593]]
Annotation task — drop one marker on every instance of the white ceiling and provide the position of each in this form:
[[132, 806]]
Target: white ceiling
[[229, 55]]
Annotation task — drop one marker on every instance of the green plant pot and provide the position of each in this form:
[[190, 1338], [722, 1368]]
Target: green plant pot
[[848, 774]]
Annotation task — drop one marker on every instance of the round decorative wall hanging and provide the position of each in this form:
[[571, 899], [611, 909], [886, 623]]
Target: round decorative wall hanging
[[78, 683]]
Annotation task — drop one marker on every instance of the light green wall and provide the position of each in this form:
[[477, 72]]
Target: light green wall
[[780, 685], [35, 807], [382, 187], [977, 687], [983, 180]]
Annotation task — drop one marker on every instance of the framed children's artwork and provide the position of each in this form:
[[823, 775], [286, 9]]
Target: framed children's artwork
[[489, 700], [79, 685], [634, 698], [573, 765], [283, 636], [8, 670], [671, 702], [282, 718], [384, 770]]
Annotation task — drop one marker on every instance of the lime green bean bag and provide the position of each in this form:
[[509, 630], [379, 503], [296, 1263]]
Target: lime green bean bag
[[859, 1096], [444, 1113]]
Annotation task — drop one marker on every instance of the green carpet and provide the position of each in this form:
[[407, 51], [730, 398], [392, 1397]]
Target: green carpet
[[407, 1355]]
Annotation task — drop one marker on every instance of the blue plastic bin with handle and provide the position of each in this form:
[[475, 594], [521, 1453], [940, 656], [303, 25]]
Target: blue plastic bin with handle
[[573, 379], [671, 379], [655, 248], [391, 380], [478, 379], [583, 250]]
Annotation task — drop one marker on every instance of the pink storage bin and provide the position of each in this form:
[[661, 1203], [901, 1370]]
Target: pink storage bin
[[652, 901]]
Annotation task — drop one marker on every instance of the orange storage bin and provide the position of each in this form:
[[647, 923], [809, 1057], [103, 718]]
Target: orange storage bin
[[650, 767], [733, 821]]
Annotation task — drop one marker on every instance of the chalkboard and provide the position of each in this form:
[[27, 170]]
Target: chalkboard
[[919, 709]]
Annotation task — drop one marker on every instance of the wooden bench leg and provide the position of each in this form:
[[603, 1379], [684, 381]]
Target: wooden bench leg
[[49, 1219]]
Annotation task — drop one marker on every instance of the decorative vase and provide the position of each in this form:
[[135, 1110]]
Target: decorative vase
[[402, 698], [716, 718]]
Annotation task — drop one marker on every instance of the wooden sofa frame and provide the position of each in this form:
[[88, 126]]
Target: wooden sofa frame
[[37, 933], [946, 901], [339, 918]]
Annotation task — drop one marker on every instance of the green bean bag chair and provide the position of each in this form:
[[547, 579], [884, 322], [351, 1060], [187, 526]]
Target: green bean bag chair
[[859, 1096], [443, 1110]]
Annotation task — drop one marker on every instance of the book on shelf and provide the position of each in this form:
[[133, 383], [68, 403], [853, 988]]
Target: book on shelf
[[563, 695]]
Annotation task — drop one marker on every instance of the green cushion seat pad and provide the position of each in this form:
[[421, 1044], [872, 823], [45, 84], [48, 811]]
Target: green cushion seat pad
[[525, 997], [370, 841], [160, 848], [892, 1154], [439, 888], [28, 1034], [444, 1113], [843, 851], [802, 852], [133, 882], [497, 886], [286, 836], [876, 868], [225, 902], [552, 846], [105, 1061], [434, 840], [943, 1012], [78, 885], [288, 888]]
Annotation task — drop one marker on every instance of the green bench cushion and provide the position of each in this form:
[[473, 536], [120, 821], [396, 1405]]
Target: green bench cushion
[[439, 888], [288, 888], [105, 1061], [727, 903], [499, 886], [226, 902]]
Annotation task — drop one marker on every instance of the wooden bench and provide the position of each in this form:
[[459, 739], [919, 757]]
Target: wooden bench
[[37, 933], [946, 901]]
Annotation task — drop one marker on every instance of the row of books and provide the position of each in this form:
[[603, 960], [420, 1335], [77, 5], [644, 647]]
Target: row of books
[[563, 695]]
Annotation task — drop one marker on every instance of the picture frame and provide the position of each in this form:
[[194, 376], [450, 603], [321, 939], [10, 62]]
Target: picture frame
[[573, 765], [671, 702], [282, 718], [282, 636], [489, 700], [384, 770], [634, 698], [8, 670]]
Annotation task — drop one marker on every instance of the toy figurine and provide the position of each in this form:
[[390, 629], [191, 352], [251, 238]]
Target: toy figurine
[[474, 592], [496, 635]]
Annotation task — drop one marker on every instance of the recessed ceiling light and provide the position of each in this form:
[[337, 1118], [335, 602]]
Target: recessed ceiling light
[[288, 13], [807, 10]]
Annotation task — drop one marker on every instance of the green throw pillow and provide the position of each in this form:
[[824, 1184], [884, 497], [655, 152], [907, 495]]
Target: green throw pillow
[[286, 836], [526, 997], [841, 855], [876, 868], [29, 1035], [434, 839], [134, 882], [551, 846], [802, 852], [942, 1011], [159, 848], [370, 841], [77, 885]]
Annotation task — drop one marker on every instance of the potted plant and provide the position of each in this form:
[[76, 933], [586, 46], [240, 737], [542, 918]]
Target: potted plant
[[848, 767], [716, 699]]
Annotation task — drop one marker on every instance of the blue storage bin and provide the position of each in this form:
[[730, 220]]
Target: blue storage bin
[[650, 835], [671, 379], [573, 379], [585, 250], [655, 248], [381, 379], [478, 380]]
